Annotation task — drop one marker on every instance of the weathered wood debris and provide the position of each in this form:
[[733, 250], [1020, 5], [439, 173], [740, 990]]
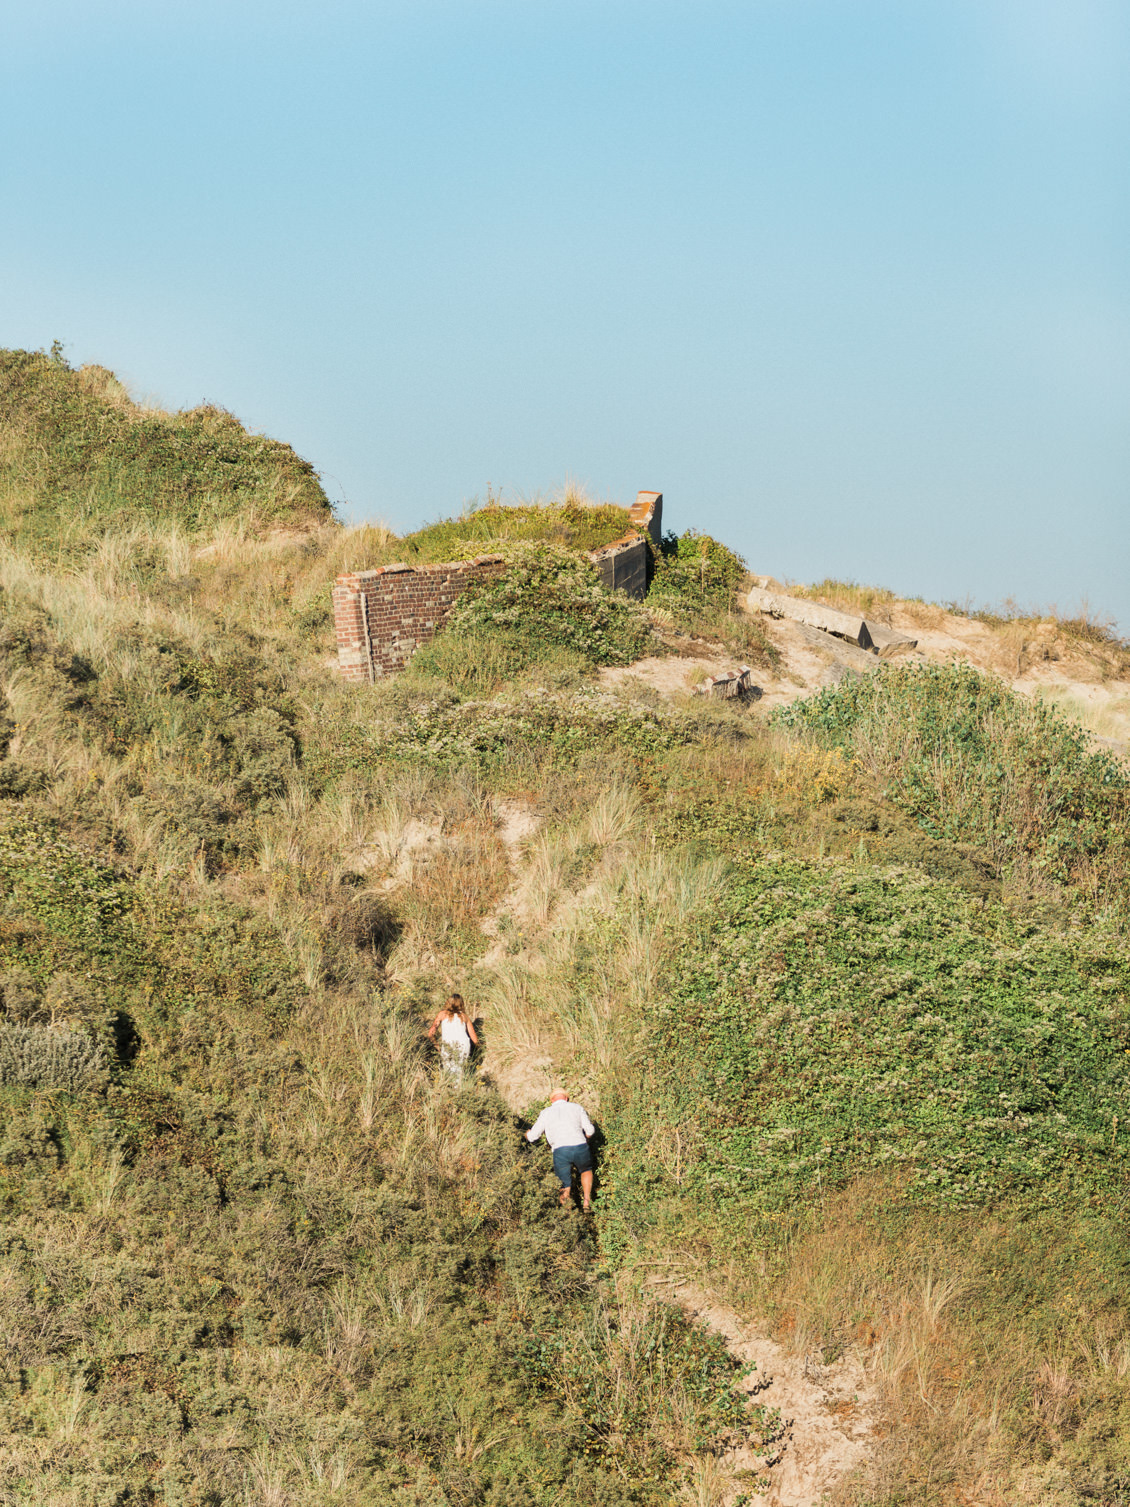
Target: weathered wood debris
[[737, 684]]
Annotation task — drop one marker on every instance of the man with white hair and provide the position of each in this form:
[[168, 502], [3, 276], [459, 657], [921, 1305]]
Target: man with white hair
[[567, 1129]]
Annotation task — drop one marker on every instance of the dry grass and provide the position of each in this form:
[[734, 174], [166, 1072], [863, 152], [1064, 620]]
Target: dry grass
[[965, 1387], [1108, 718], [591, 918], [872, 602]]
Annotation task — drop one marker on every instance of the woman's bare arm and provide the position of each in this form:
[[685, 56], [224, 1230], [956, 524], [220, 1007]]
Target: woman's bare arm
[[471, 1034]]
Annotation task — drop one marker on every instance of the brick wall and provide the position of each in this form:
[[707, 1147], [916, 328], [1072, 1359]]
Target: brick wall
[[647, 513], [382, 616]]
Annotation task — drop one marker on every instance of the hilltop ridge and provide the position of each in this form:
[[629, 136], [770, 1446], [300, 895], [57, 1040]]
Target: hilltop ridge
[[77, 454]]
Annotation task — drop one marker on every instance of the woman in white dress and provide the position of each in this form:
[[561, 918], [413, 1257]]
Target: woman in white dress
[[456, 1035]]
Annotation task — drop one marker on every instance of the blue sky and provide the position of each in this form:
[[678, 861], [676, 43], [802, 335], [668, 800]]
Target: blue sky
[[848, 281]]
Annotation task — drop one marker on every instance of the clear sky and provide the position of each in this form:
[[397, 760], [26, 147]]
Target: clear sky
[[848, 281]]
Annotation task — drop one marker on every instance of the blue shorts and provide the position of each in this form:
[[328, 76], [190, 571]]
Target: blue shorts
[[565, 1158]]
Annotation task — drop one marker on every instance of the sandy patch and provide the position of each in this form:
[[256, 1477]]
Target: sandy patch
[[671, 675], [807, 663], [516, 822], [520, 1076], [400, 849], [827, 1411], [1033, 658]]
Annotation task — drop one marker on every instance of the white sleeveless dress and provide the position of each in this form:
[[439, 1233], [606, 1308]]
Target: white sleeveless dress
[[455, 1044]]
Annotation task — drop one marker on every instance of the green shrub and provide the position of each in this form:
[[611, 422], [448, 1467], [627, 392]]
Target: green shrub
[[80, 456], [566, 724], [492, 529], [695, 591], [972, 761], [695, 576], [221, 716], [548, 600], [474, 661], [821, 1023], [631, 1373], [51, 878]]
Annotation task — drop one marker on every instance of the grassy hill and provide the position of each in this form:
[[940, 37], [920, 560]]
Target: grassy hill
[[846, 991], [77, 455]]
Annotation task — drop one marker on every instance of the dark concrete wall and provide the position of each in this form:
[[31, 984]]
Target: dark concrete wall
[[623, 566]]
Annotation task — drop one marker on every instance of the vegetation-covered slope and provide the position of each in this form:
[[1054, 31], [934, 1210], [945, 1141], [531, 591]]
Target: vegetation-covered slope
[[859, 1061], [77, 455]]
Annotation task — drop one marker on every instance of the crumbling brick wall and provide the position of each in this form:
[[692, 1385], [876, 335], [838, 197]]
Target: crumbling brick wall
[[381, 617]]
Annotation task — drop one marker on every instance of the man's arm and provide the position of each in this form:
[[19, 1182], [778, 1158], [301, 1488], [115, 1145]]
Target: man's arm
[[536, 1128], [587, 1125]]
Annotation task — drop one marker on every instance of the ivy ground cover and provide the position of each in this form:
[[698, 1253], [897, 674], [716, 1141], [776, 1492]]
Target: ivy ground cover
[[828, 1021]]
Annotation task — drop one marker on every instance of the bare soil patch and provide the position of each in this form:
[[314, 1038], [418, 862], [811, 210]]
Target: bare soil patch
[[827, 1409]]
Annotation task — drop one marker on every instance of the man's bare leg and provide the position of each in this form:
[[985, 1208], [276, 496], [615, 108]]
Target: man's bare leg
[[564, 1199], [586, 1189]]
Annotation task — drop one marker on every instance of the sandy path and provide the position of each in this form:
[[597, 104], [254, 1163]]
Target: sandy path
[[827, 1411]]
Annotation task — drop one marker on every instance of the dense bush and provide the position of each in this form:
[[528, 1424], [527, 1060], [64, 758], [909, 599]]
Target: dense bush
[[972, 761], [826, 1023], [548, 600], [555, 727], [695, 575], [79, 455]]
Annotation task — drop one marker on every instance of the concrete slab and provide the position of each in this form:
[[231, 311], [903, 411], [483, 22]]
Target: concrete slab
[[889, 641], [839, 650], [849, 627]]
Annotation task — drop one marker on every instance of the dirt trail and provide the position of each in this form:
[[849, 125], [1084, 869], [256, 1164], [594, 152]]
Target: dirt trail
[[828, 1412], [525, 1076]]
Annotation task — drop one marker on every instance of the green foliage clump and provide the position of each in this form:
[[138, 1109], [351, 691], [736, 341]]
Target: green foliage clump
[[478, 661], [695, 576], [822, 1023], [694, 590], [78, 456], [972, 761], [51, 878], [677, 1374], [447, 734], [549, 600]]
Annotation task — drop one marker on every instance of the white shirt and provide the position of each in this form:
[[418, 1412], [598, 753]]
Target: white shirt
[[453, 1033], [563, 1124]]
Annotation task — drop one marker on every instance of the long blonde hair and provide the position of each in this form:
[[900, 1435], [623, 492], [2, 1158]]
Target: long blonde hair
[[455, 1005]]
